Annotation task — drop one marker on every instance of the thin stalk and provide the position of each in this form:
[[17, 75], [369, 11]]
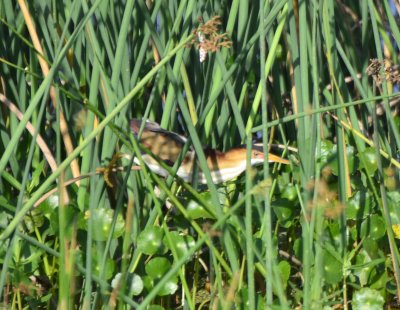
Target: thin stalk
[[249, 233]]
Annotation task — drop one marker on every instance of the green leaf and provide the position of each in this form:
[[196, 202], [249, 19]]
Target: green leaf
[[50, 203], [150, 241], [284, 271], [102, 219], [378, 277], [34, 219], [328, 150], [368, 160], [332, 269], [70, 217], [4, 219], [283, 209], [109, 267], [350, 154], [196, 210], [366, 270], [371, 247], [334, 231], [360, 205], [289, 192], [367, 299], [182, 244], [373, 227], [329, 156], [393, 204], [155, 269], [136, 285], [36, 176], [148, 282], [169, 288]]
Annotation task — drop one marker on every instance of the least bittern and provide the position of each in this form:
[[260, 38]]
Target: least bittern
[[167, 146]]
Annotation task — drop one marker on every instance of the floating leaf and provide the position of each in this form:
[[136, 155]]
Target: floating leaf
[[155, 269], [150, 241], [360, 205], [109, 266], [368, 160], [197, 210], [332, 269], [373, 227], [182, 244], [116, 280], [367, 299], [102, 219], [136, 285], [148, 282], [169, 288]]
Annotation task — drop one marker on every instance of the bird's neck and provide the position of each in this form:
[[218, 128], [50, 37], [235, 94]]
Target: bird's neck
[[218, 160]]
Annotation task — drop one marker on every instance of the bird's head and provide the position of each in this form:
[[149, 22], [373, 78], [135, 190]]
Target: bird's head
[[257, 155]]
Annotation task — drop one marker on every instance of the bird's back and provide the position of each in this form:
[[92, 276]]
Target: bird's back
[[167, 145]]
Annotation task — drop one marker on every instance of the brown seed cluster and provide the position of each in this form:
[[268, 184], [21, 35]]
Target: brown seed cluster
[[326, 199], [382, 70], [108, 171], [207, 37]]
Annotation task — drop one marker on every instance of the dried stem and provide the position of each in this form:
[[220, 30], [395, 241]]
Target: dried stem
[[45, 69]]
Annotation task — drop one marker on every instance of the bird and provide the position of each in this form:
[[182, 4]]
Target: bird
[[167, 146]]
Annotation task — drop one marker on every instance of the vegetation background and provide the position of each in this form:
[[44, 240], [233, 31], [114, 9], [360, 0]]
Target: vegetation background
[[81, 228]]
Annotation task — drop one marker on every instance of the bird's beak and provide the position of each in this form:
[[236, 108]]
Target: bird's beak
[[272, 158]]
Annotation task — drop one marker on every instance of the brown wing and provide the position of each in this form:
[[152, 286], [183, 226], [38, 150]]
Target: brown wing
[[165, 144], [135, 125], [149, 125]]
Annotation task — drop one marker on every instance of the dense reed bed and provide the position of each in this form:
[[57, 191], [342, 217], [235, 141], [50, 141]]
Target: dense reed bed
[[83, 226]]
